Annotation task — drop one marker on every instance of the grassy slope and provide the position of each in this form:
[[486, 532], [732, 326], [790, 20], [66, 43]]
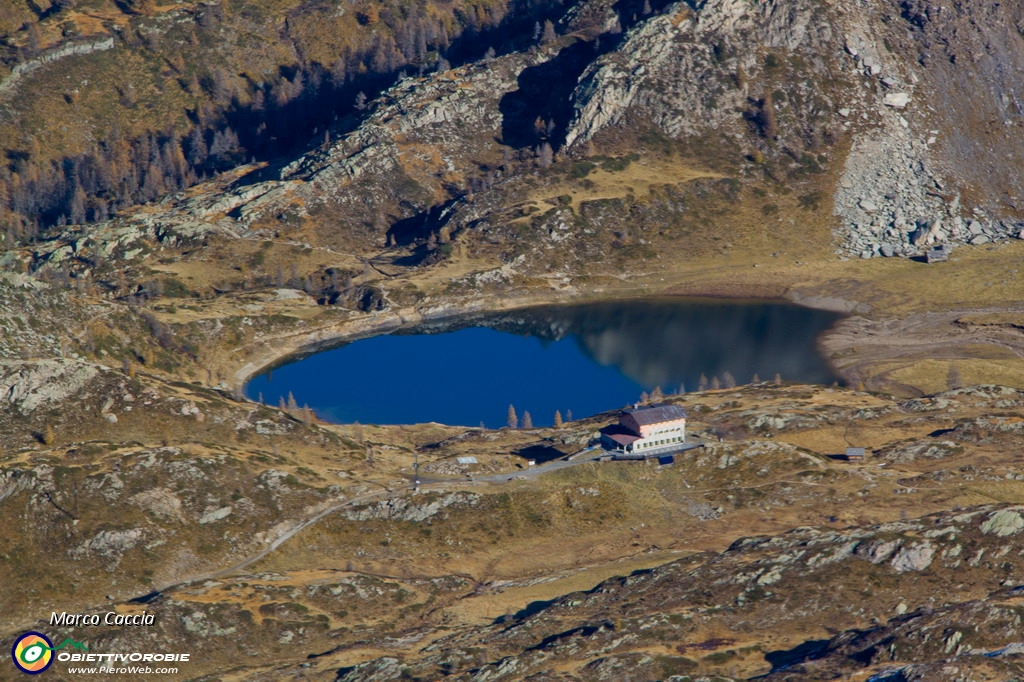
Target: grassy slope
[[515, 544]]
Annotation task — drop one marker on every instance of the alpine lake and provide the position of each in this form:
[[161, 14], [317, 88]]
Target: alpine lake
[[579, 360]]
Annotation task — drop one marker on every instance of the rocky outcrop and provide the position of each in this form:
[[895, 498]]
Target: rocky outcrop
[[38, 319], [28, 386], [901, 188], [674, 70], [1004, 522], [70, 50], [853, 575], [411, 509], [914, 558], [110, 544]]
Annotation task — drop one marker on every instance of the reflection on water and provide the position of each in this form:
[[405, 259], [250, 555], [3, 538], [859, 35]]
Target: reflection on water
[[668, 343], [587, 359]]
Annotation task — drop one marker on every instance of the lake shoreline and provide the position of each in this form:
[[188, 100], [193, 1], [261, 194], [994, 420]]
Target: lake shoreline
[[620, 348], [297, 345]]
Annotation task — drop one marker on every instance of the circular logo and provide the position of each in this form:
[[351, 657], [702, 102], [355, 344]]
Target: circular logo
[[32, 653]]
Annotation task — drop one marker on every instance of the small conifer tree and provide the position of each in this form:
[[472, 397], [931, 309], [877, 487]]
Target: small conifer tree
[[548, 34], [527, 420], [558, 419], [513, 420]]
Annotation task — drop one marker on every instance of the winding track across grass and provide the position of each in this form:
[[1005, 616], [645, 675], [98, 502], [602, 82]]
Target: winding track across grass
[[572, 460]]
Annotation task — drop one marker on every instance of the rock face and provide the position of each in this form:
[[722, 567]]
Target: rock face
[[404, 509], [1004, 522], [910, 159], [661, 73], [27, 386], [915, 558], [74, 49]]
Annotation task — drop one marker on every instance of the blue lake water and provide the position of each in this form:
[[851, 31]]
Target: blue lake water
[[581, 359]]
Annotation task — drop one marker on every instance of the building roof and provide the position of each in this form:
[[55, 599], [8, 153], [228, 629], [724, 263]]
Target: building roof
[[646, 416], [855, 452], [623, 438]]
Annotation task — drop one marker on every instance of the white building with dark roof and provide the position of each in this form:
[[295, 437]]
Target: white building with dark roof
[[647, 431]]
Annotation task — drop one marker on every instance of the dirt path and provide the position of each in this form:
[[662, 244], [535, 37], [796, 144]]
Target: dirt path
[[386, 494]]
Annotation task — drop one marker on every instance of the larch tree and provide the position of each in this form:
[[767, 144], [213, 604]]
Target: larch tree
[[558, 419], [545, 155], [527, 420], [548, 35], [513, 420]]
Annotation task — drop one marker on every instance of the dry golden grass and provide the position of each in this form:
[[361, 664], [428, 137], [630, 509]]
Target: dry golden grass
[[433, 280], [636, 179], [999, 319], [482, 608]]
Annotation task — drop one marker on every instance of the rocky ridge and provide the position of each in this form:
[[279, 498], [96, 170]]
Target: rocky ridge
[[844, 577], [787, 80]]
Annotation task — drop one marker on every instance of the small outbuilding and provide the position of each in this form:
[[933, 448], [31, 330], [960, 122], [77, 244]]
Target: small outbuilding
[[938, 254], [855, 454]]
